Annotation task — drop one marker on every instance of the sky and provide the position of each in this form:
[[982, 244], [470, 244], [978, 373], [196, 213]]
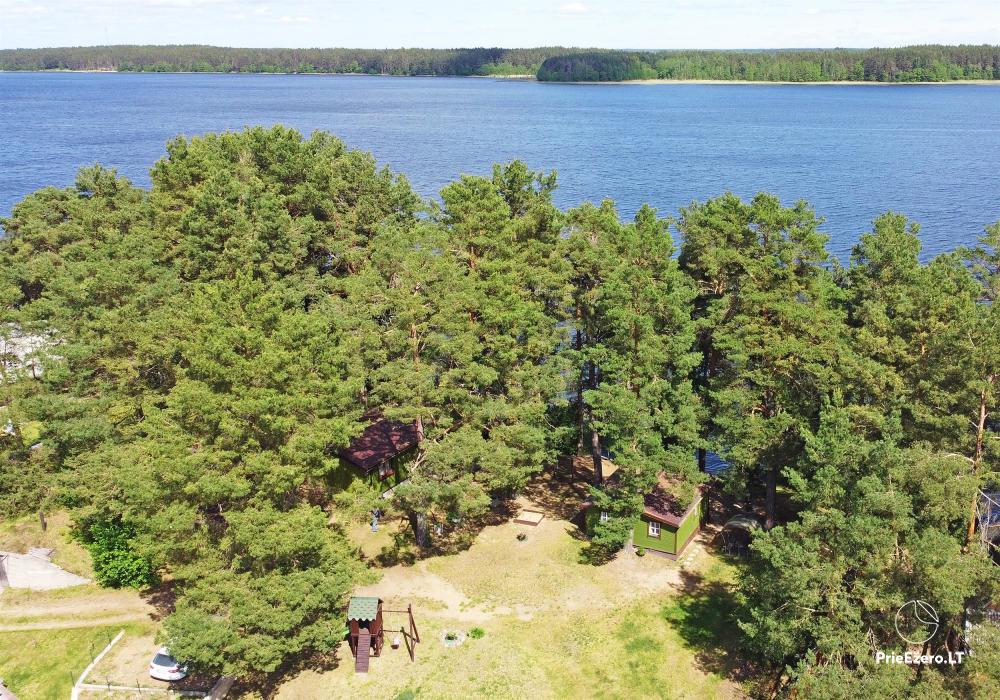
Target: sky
[[637, 24]]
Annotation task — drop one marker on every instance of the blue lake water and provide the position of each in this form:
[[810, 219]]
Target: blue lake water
[[931, 152]]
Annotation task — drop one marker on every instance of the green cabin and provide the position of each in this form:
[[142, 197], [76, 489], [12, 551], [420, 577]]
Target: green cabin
[[666, 527], [382, 454]]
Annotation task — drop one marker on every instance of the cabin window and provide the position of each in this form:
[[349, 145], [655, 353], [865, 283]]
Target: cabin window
[[385, 471], [654, 529], [604, 516]]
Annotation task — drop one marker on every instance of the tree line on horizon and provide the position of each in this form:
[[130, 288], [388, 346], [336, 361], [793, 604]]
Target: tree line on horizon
[[218, 59], [222, 333], [930, 63]]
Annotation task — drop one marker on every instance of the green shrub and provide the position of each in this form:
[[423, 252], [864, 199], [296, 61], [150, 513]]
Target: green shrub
[[477, 633], [116, 563]]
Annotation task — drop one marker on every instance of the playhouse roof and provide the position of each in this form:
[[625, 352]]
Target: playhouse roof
[[362, 608], [381, 441]]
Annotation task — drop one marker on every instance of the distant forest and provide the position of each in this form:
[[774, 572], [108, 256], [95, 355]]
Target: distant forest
[[215, 59], [909, 64]]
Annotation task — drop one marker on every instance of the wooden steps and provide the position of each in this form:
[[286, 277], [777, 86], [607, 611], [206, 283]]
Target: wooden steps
[[364, 651]]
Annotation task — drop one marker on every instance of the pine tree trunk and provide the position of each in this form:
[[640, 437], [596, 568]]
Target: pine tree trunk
[[580, 408], [976, 461], [595, 439], [595, 452], [418, 521], [706, 514], [771, 486]]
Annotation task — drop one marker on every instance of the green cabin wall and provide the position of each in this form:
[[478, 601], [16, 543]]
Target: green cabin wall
[[666, 542]]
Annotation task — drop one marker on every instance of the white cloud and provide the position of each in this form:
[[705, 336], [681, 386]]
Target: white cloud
[[300, 19], [573, 8]]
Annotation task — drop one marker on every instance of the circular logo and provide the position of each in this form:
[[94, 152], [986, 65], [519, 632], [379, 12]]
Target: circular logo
[[916, 621]]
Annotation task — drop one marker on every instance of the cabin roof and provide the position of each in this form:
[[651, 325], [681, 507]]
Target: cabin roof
[[363, 608], [381, 441], [660, 503]]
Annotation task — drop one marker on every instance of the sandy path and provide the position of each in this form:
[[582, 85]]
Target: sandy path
[[416, 583], [74, 624], [88, 609]]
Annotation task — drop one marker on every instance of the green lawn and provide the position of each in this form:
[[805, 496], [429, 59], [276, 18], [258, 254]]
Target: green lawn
[[44, 664]]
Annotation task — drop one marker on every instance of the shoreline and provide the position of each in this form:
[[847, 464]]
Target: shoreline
[[851, 83], [531, 78]]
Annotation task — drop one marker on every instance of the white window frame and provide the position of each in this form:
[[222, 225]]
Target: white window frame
[[654, 529], [605, 516]]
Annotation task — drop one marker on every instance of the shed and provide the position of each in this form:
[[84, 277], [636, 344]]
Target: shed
[[666, 526]]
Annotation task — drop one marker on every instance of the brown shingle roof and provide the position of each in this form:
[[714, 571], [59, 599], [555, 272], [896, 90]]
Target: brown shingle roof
[[380, 442]]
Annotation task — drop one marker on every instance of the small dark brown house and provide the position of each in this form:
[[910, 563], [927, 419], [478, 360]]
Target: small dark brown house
[[382, 452]]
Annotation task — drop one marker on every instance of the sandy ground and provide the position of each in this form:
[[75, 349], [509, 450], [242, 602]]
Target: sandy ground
[[626, 578], [128, 664]]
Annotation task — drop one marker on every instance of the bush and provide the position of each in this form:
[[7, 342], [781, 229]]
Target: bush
[[521, 537], [116, 563], [477, 633]]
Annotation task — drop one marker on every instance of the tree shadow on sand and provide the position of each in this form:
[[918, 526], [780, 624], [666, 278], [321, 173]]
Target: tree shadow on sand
[[597, 555], [705, 614], [267, 685], [558, 496]]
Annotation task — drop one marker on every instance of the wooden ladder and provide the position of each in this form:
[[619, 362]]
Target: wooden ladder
[[364, 650]]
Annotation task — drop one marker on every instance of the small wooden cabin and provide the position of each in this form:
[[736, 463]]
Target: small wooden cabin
[[666, 526], [366, 634], [382, 454]]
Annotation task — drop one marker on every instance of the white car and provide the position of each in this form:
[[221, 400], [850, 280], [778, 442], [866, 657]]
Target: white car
[[164, 667]]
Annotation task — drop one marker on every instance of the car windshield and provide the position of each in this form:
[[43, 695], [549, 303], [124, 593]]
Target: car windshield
[[164, 660]]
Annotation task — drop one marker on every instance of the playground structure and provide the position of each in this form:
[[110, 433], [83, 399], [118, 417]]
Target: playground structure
[[737, 534], [988, 522], [366, 630]]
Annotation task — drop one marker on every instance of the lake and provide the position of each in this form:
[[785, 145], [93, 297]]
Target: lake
[[931, 152]]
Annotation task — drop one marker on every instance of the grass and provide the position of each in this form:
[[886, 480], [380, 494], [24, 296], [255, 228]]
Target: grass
[[44, 664]]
